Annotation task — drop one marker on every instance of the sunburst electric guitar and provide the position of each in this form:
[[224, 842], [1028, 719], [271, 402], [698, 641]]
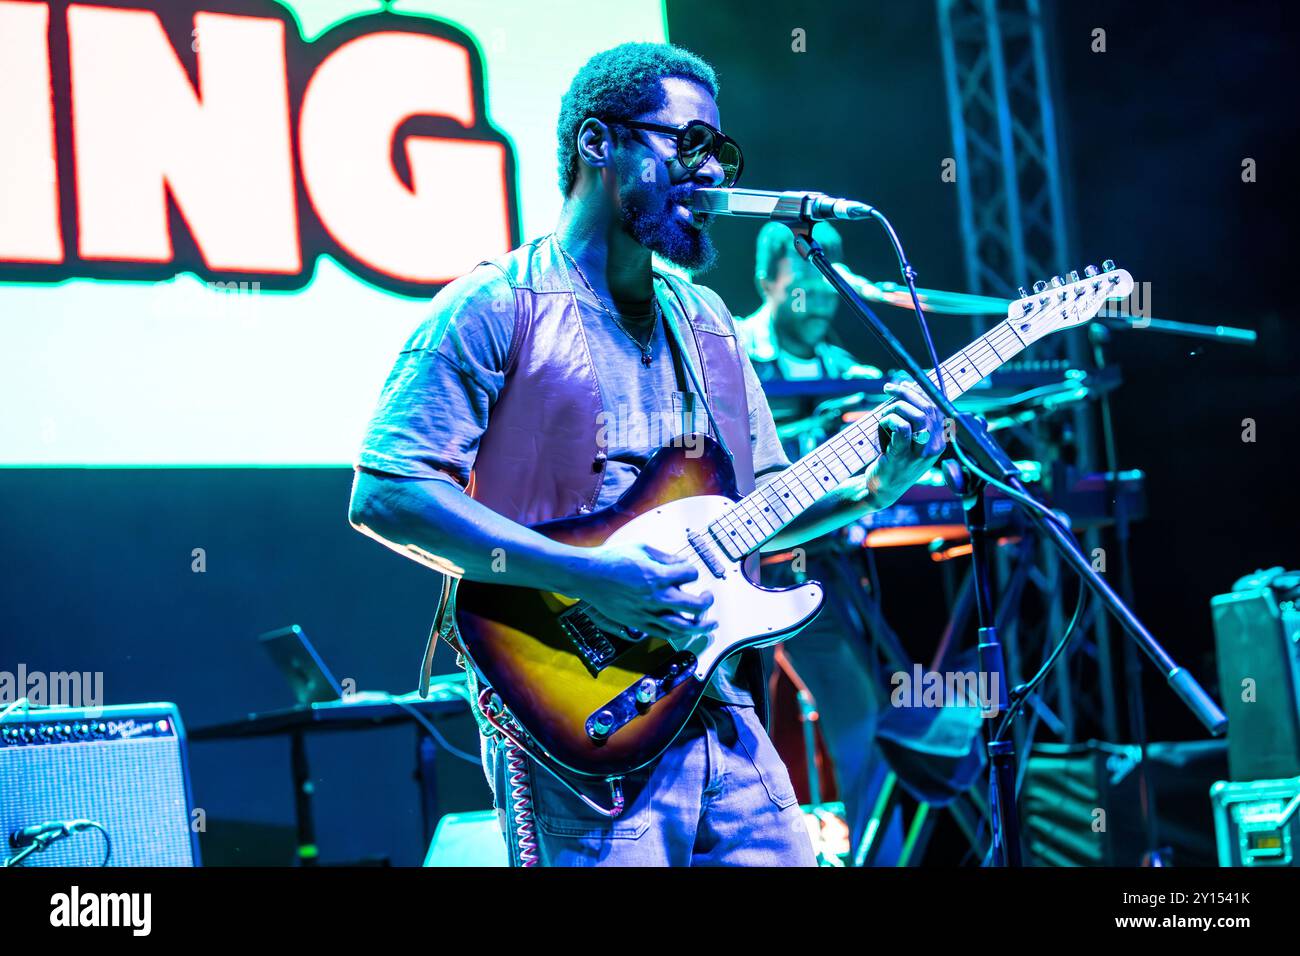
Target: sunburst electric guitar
[[601, 704]]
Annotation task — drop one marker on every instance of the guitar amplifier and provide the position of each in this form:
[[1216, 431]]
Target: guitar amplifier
[[1257, 822], [123, 767], [1081, 804], [468, 839], [1257, 637]]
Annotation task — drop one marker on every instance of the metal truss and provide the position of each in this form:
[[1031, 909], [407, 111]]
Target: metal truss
[[1015, 230], [1000, 104]]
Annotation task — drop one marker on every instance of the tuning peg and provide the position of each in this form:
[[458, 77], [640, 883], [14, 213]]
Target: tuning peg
[[1023, 293], [1091, 271], [1108, 265], [1073, 276], [1040, 286], [1057, 282]]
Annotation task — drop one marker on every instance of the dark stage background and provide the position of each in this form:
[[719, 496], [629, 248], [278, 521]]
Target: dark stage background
[[97, 575]]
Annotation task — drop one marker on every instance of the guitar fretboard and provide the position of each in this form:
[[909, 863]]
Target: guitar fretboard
[[758, 516]]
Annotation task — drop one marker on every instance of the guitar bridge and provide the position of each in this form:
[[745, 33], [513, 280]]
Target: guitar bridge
[[595, 646]]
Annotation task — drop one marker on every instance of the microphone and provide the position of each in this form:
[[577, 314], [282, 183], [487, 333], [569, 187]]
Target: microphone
[[59, 828], [790, 206]]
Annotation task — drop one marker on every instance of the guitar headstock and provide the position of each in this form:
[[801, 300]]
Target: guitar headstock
[[1067, 302]]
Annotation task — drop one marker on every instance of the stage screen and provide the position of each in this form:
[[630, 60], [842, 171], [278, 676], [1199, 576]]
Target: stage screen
[[220, 220]]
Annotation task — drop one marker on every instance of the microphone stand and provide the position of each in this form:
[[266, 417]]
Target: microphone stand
[[992, 459]]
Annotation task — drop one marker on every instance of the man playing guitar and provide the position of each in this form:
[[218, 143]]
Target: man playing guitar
[[573, 342]]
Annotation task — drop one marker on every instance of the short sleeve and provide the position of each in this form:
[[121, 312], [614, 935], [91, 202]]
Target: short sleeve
[[435, 404]]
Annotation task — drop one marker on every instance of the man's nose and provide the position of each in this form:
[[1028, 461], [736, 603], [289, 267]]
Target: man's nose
[[711, 173]]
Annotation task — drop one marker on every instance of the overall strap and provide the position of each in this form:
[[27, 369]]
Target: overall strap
[[682, 358]]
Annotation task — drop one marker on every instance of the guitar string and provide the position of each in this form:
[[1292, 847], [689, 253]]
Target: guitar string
[[730, 521], [1003, 333]]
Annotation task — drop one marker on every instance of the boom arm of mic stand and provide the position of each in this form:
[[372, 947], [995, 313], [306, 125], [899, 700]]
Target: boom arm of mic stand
[[1226, 334], [990, 453]]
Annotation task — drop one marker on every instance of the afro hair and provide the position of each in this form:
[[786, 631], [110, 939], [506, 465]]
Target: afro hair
[[621, 83]]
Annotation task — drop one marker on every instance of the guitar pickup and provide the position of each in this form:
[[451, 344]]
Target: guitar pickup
[[640, 697], [707, 554]]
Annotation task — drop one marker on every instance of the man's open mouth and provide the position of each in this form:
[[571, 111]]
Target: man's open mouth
[[696, 218]]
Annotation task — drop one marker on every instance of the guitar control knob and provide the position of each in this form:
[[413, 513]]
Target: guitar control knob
[[647, 691], [1057, 282], [1091, 271], [1040, 286], [1072, 277], [1108, 265], [602, 724]]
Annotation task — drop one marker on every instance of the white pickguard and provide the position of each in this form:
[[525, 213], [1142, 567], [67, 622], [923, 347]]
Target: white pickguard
[[744, 611]]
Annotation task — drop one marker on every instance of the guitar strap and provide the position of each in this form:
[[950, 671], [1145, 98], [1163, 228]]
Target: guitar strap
[[688, 384], [444, 627], [687, 394]]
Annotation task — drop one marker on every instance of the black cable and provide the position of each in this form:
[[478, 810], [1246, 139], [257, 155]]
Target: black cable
[[108, 841], [1022, 693], [438, 738], [1027, 500], [909, 277]]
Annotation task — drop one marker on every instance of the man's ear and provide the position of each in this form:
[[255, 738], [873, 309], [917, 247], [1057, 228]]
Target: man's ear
[[595, 144]]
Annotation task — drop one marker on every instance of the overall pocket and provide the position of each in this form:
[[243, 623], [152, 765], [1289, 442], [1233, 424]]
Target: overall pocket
[[561, 813], [762, 754]]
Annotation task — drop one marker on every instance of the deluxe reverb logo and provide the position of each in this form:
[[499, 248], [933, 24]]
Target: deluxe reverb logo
[[143, 140]]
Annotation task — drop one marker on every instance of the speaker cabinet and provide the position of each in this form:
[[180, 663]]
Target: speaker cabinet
[[123, 767]]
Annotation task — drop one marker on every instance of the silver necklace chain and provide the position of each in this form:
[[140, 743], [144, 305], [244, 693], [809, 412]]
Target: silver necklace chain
[[644, 348]]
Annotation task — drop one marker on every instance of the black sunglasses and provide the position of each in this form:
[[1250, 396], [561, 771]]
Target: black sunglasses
[[696, 142]]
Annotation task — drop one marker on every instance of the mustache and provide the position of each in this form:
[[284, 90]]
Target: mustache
[[682, 194]]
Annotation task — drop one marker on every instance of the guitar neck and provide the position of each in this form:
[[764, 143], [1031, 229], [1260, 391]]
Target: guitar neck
[[758, 516]]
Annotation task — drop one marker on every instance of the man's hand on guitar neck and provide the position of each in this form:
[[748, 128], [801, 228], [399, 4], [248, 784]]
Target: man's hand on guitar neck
[[634, 588], [916, 441], [915, 431]]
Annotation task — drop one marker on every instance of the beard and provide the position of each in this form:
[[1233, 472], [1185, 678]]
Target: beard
[[650, 217]]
